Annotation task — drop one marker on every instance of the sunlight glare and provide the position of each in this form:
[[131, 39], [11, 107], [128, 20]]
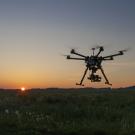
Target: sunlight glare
[[23, 89]]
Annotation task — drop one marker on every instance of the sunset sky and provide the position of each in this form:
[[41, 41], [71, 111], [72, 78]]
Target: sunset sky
[[34, 34]]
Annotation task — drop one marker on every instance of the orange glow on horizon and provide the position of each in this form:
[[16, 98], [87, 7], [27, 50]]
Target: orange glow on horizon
[[23, 88], [60, 83]]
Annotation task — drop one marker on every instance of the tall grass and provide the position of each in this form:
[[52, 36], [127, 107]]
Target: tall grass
[[67, 113]]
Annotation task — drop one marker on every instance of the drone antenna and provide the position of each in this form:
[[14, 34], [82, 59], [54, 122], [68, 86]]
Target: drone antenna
[[93, 49]]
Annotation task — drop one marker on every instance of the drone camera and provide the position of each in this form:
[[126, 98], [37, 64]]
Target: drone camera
[[95, 78]]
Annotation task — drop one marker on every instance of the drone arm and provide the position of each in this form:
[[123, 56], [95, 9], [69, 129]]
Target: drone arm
[[73, 52], [107, 81], [100, 50], [111, 56], [83, 77], [77, 58], [98, 53], [68, 57], [79, 55]]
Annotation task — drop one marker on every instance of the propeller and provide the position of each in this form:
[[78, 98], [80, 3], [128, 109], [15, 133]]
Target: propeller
[[124, 50], [67, 56], [97, 45], [73, 49], [101, 48]]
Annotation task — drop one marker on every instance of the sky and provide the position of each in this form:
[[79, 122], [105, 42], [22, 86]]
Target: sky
[[35, 33]]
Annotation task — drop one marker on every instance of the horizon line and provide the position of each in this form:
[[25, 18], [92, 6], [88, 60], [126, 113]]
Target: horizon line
[[68, 88]]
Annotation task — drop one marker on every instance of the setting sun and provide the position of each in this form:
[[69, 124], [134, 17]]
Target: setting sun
[[23, 89]]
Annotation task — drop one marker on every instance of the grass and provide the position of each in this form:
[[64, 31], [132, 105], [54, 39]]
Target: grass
[[67, 113]]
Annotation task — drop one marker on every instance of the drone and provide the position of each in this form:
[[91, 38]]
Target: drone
[[93, 64]]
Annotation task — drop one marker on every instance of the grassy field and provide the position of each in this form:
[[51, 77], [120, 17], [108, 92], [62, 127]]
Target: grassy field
[[69, 112]]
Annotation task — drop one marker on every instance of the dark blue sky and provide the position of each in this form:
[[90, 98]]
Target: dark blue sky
[[34, 33]]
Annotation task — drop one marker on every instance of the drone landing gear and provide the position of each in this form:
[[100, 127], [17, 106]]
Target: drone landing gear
[[107, 81], [85, 72], [79, 84]]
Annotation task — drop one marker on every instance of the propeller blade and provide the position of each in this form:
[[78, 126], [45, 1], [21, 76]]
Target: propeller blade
[[73, 48], [97, 47], [67, 56], [62, 54], [125, 50]]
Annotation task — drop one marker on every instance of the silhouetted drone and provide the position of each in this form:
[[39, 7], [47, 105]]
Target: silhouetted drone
[[93, 63]]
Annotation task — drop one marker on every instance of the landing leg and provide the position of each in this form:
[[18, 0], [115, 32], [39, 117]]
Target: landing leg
[[107, 81], [83, 77]]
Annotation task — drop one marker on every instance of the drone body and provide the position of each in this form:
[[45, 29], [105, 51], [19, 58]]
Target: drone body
[[93, 64]]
